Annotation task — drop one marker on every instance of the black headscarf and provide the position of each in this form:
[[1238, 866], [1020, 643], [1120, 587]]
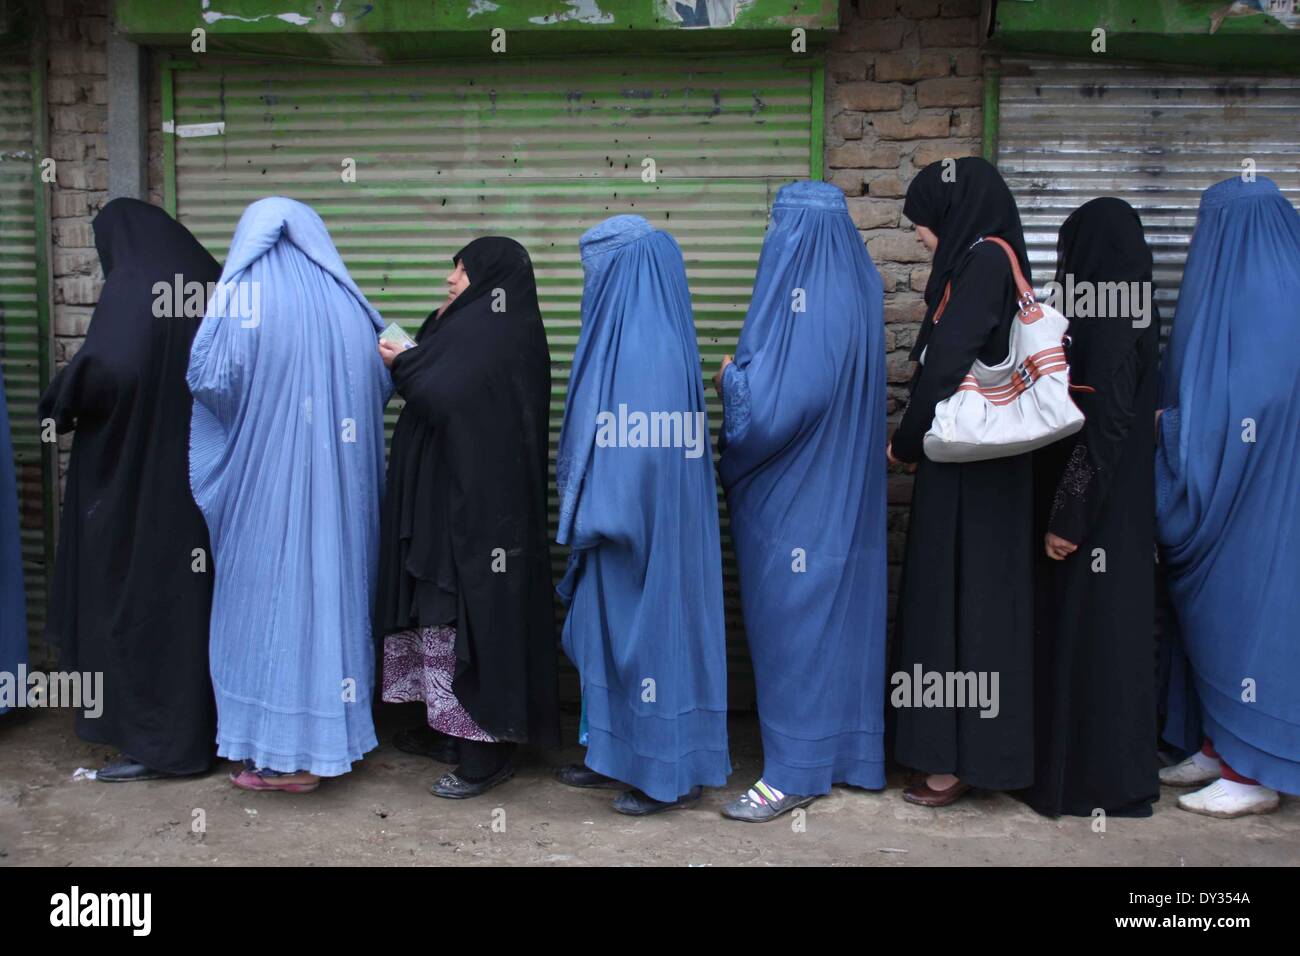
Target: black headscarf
[[126, 598], [974, 204], [1103, 241], [467, 481]]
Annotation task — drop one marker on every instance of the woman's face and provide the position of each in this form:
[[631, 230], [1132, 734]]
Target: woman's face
[[457, 282], [927, 236]]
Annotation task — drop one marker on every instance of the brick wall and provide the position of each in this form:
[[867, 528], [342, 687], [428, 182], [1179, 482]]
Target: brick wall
[[77, 95], [904, 88]]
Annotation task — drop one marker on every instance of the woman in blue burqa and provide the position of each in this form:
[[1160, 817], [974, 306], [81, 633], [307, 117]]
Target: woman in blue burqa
[[803, 466], [639, 508], [1228, 503], [287, 466]]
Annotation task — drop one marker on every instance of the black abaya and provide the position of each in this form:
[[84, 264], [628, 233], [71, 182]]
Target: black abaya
[[131, 597], [966, 598], [463, 531], [1096, 713]]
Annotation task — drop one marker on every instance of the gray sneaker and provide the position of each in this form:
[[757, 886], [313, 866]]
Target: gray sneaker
[[752, 807]]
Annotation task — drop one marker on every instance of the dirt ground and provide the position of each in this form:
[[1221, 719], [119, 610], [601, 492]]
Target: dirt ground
[[382, 814]]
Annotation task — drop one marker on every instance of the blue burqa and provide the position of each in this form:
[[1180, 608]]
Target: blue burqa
[[640, 509], [287, 466], [13, 602], [1228, 484], [803, 465]]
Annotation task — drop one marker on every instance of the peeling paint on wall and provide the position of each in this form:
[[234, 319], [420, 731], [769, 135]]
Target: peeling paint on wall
[[702, 14], [583, 11], [212, 16], [481, 6]]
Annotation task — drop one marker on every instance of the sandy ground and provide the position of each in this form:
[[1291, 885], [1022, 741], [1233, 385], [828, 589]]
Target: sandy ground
[[382, 814]]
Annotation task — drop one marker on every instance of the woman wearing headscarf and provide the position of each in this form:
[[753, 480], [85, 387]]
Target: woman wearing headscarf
[[1228, 503], [287, 465], [801, 462], [13, 600], [132, 583], [645, 626], [465, 603], [1095, 723], [965, 604]]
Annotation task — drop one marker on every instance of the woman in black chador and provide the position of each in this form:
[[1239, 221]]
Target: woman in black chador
[[464, 604], [132, 585], [966, 597], [1095, 507]]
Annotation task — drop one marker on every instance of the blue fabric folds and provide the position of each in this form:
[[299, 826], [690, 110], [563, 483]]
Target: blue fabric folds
[[1228, 483], [13, 601], [803, 466], [287, 466], [639, 508]]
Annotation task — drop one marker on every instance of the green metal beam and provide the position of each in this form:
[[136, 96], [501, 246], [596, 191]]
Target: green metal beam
[[367, 32], [817, 137], [1194, 33]]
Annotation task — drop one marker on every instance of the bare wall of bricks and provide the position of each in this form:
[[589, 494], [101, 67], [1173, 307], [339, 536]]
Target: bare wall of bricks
[[904, 88]]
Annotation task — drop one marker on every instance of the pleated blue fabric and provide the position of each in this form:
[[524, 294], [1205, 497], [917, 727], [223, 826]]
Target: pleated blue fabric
[[803, 466], [287, 466], [645, 623], [13, 600], [1228, 483]]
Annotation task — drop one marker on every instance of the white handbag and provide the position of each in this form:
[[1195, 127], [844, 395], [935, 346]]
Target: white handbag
[[1020, 404]]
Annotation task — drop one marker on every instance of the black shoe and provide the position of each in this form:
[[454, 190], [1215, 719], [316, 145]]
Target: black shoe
[[424, 741], [453, 787], [580, 775], [126, 770], [634, 803]]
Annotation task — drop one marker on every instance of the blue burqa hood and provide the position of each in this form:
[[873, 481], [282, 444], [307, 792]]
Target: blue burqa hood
[[645, 623], [287, 466], [1228, 484], [804, 469]]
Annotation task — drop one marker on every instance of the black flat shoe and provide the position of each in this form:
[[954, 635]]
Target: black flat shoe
[[424, 741], [580, 775], [452, 787], [634, 803], [126, 770]]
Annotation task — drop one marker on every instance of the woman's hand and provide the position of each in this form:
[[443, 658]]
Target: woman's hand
[[717, 378], [889, 454], [1057, 548], [388, 351]]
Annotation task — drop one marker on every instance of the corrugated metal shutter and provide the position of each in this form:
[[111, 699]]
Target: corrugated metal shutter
[[1072, 131], [19, 329], [537, 150]]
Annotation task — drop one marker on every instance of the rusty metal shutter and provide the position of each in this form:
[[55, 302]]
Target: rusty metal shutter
[[19, 324], [1071, 131], [539, 150]]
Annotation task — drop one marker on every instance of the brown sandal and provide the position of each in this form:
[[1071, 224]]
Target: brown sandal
[[921, 794]]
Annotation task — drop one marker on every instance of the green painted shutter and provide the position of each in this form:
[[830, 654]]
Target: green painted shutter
[[538, 150], [19, 327]]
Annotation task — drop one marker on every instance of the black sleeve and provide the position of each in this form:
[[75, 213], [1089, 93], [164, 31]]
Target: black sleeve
[[974, 313], [1082, 488]]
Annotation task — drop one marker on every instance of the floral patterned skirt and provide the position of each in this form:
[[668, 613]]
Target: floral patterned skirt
[[419, 665]]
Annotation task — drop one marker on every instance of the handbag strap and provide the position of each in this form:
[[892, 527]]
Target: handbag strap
[[1024, 291]]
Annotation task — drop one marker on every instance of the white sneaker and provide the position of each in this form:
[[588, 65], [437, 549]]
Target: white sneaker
[[1226, 803], [1196, 771]]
